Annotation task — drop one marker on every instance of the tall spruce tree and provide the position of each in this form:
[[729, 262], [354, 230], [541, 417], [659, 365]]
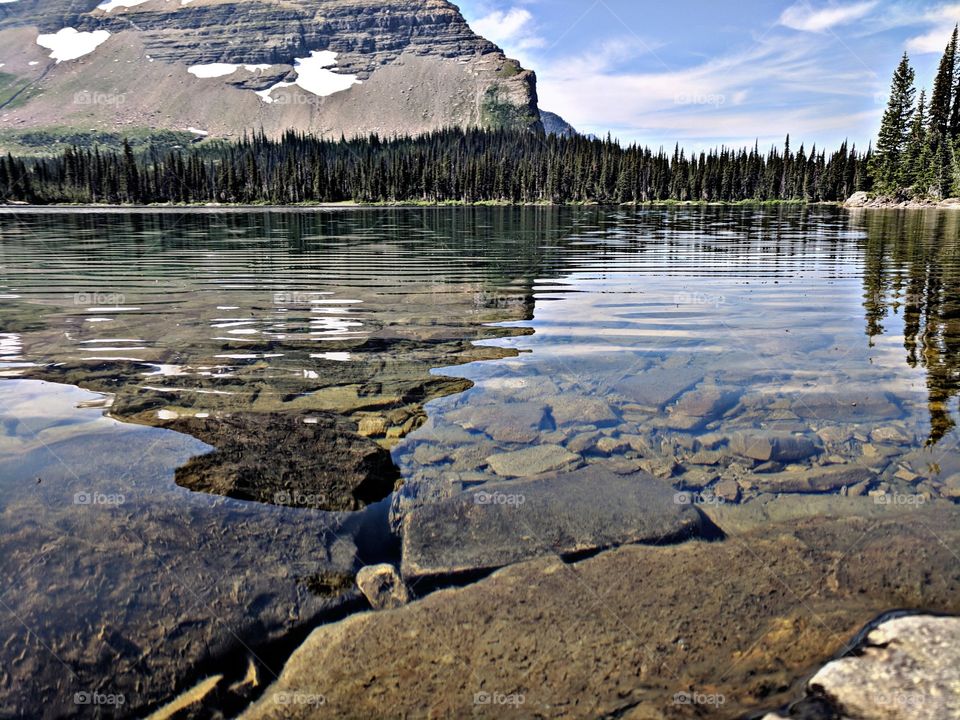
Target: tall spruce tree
[[913, 170], [888, 160], [939, 148]]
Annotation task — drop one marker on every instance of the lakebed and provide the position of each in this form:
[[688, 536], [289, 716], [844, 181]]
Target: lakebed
[[212, 420]]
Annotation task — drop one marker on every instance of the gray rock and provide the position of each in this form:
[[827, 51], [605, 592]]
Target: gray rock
[[727, 490], [383, 586], [846, 406], [581, 410], [699, 406], [907, 669], [532, 461], [652, 389], [503, 523], [766, 446], [815, 480], [519, 422], [583, 442], [891, 434], [858, 200]]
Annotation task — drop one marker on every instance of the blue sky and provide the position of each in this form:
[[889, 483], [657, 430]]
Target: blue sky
[[711, 73]]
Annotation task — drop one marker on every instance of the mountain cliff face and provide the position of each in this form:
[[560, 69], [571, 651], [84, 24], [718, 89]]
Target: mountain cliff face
[[218, 68]]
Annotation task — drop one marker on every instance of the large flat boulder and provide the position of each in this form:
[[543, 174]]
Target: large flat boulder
[[502, 523], [778, 447], [629, 631], [534, 460], [654, 388], [846, 405]]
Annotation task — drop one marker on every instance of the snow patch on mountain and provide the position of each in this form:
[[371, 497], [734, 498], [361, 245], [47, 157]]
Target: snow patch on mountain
[[70, 44], [314, 76], [112, 5], [213, 70]]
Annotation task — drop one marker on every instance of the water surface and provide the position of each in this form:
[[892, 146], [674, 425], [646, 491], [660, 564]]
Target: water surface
[[646, 338]]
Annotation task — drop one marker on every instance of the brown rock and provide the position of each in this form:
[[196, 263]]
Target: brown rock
[[383, 586]]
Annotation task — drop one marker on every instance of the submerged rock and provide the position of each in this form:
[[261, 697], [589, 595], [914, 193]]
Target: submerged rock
[[846, 406], [599, 637], [581, 410], [699, 406], [382, 586], [531, 461], [776, 447], [502, 523], [654, 388], [519, 422], [815, 479], [316, 461]]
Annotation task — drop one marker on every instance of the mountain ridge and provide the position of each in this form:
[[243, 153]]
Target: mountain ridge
[[220, 68]]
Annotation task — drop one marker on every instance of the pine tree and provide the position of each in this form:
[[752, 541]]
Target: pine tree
[[912, 167], [939, 153], [894, 131]]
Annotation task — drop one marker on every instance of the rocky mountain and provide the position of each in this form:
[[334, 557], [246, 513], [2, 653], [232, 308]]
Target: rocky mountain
[[217, 68], [553, 124]]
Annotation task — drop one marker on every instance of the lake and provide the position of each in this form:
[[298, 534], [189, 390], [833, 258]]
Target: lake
[[209, 419]]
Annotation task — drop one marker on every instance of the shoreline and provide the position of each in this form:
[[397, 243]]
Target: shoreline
[[12, 208], [865, 201], [852, 204]]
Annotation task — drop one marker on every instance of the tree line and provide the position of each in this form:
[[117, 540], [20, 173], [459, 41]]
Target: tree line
[[918, 148], [453, 165]]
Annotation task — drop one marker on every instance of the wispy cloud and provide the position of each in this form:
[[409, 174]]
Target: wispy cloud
[[807, 18], [513, 27], [769, 89], [942, 20]]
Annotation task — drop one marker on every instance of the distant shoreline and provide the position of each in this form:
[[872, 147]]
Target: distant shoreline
[[6, 208], [854, 203]]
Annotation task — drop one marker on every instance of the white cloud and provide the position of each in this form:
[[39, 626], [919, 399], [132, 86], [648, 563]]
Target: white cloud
[[803, 16], [511, 29], [716, 98], [501, 26], [943, 19]]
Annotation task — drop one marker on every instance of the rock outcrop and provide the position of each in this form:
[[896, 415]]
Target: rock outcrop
[[724, 629], [217, 69], [864, 200]]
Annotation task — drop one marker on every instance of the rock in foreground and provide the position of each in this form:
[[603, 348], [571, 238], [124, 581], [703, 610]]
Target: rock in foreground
[[739, 623], [908, 669], [502, 523]]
